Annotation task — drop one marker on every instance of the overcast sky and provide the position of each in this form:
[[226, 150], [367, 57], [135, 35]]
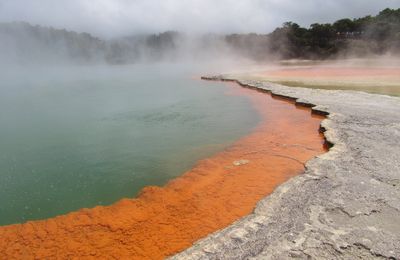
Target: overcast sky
[[112, 18]]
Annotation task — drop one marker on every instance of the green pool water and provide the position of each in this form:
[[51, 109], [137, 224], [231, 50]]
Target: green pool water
[[75, 137]]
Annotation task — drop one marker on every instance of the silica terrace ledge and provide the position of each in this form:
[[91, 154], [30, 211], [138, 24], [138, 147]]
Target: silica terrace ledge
[[346, 205]]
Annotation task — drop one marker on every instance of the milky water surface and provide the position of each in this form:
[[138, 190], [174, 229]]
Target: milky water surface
[[89, 135]]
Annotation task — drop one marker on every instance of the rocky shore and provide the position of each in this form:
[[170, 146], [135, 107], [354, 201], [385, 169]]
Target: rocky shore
[[347, 203]]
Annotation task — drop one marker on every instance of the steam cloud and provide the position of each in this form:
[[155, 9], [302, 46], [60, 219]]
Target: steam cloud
[[116, 18]]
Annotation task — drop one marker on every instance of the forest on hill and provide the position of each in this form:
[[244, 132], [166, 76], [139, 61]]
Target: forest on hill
[[22, 42], [358, 37]]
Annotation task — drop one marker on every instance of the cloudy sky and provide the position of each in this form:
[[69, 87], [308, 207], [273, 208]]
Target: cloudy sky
[[112, 18]]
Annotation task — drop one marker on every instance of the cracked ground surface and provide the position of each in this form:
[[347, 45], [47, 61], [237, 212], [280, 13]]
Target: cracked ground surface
[[345, 206]]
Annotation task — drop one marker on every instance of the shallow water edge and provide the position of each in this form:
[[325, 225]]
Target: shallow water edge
[[345, 205], [163, 221]]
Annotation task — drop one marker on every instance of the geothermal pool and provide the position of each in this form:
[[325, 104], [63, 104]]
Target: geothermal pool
[[162, 221], [77, 137]]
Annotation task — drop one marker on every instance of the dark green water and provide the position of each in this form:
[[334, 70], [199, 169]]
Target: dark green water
[[84, 136]]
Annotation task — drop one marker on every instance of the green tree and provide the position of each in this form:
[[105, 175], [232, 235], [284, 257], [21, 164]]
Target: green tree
[[344, 25]]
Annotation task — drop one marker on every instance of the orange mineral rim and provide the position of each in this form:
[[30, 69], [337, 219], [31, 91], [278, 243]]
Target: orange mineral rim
[[162, 221]]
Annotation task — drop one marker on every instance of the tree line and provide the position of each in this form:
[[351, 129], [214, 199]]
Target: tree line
[[380, 34]]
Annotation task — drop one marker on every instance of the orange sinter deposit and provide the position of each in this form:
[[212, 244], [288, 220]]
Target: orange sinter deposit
[[378, 79], [162, 221], [373, 79], [322, 72]]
